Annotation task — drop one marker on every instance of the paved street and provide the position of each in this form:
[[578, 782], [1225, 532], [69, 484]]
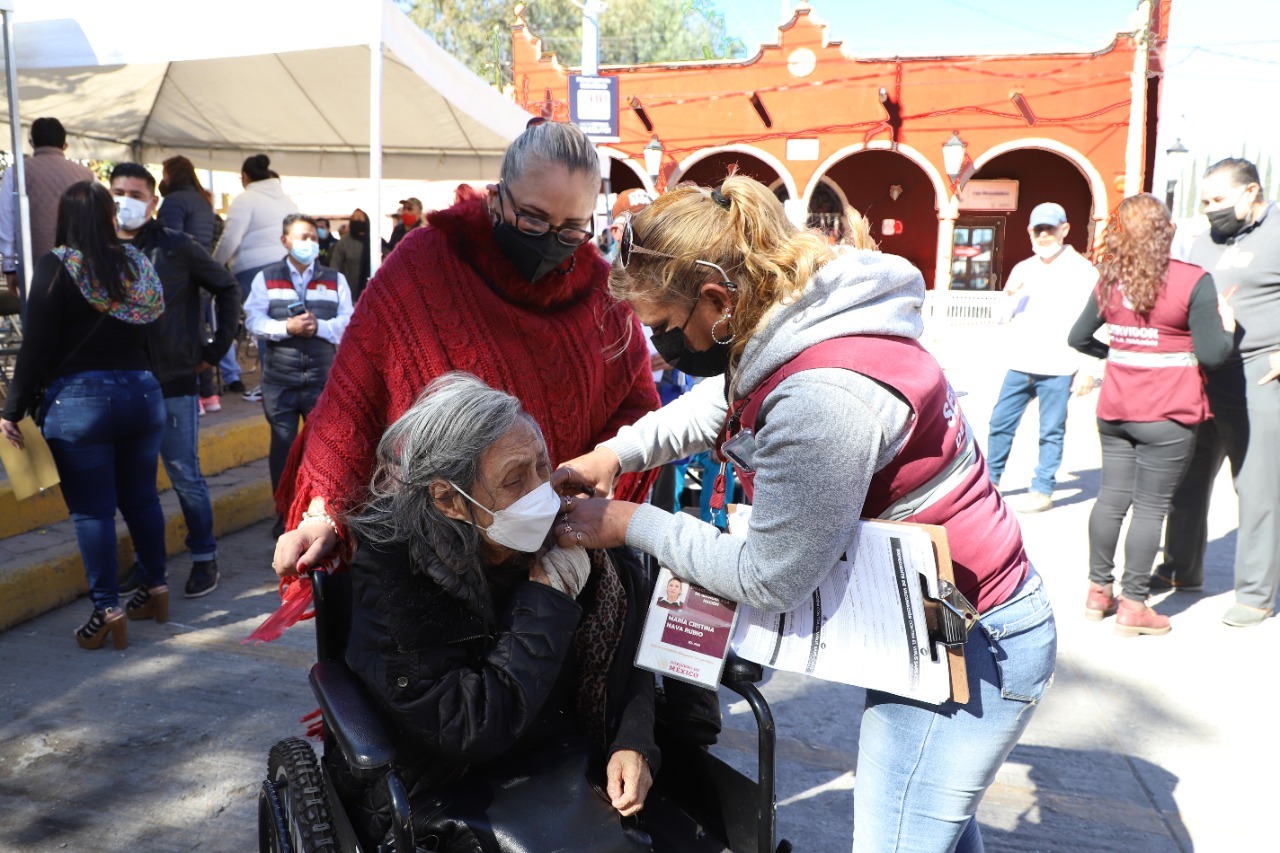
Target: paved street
[[1149, 744]]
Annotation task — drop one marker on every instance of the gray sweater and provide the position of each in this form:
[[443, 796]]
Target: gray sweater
[[820, 437], [1249, 260]]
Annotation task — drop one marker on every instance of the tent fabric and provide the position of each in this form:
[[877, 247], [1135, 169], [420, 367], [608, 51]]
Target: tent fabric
[[220, 82]]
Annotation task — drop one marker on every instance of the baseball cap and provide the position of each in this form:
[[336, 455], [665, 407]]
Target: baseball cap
[[411, 202], [632, 201], [1048, 214]]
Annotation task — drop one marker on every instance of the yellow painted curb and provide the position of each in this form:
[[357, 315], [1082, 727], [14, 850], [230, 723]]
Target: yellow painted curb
[[32, 590], [223, 447]]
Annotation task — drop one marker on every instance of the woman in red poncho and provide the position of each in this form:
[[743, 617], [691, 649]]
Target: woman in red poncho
[[507, 286]]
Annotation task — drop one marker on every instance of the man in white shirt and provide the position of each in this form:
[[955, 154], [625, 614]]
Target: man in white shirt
[[1046, 292], [300, 308]]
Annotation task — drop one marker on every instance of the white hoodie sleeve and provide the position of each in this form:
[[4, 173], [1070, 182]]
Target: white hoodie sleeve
[[688, 424]]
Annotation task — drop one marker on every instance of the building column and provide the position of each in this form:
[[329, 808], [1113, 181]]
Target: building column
[[946, 232]]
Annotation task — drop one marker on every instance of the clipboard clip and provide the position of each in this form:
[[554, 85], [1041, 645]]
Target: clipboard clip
[[949, 617]]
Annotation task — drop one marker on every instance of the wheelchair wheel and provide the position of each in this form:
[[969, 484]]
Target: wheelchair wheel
[[294, 772]]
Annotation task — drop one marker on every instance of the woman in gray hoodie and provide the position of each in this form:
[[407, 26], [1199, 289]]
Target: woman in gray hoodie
[[835, 412]]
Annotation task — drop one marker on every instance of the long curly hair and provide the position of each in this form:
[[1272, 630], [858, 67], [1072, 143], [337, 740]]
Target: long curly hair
[[1135, 255]]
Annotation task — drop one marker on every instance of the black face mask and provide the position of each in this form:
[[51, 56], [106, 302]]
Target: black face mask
[[532, 256], [358, 229], [1224, 223], [674, 349]]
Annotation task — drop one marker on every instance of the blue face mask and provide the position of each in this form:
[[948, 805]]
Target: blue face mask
[[304, 251], [323, 232]]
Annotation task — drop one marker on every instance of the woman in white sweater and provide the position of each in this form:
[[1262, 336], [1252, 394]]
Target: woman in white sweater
[[251, 238]]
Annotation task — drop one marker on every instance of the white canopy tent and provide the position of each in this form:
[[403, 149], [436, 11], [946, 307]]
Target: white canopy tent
[[217, 82]]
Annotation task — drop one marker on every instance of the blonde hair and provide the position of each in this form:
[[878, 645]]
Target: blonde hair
[[857, 231], [741, 228]]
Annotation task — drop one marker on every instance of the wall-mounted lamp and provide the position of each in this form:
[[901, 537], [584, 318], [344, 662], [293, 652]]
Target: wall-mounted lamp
[[653, 159], [953, 154]]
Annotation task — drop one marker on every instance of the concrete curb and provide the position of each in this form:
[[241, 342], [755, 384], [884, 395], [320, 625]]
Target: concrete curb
[[223, 446], [52, 576]]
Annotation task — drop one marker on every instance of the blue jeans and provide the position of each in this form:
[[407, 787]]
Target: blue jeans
[[180, 451], [104, 428], [922, 769], [229, 367], [1017, 392]]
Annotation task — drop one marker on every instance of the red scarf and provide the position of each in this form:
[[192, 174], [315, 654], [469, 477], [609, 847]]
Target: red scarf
[[448, 299]]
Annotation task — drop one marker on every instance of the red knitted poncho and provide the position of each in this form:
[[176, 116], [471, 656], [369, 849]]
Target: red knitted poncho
[[448, 299]]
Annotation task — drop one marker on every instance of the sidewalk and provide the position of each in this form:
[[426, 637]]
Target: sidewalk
[[1149, 744]]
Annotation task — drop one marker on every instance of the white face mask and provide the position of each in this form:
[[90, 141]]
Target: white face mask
[[1046, 252], [131, 214], [525, 524]]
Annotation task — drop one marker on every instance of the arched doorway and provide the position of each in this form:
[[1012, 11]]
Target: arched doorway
[[711, 170], [623, 177], [1042, 176], [895, 195]]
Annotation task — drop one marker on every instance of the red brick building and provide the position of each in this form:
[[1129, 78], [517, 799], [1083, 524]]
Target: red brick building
[[828, 128]]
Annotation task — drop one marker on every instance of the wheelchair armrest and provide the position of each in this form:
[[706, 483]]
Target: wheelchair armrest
[[352, 719], [739, 671]]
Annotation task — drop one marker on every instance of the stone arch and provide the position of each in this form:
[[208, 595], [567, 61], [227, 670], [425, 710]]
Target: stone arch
[[1097, 186], [941, 186], [622, 161], [778, 167]]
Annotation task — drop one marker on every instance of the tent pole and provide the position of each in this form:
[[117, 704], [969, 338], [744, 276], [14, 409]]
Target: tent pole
[[22, 208], [375, 139]]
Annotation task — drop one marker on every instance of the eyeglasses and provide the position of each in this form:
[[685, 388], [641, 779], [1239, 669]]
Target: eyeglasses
[[627, 245], [535, 227]]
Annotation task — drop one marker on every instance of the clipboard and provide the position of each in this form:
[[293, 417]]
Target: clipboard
[[896, 624], [32, 469], [944, 618]]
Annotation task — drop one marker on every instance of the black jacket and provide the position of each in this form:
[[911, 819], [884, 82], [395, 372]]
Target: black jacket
[[464, 680], [177, 339]]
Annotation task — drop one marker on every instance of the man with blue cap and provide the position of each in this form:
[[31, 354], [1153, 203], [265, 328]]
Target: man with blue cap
[[1044, 292]]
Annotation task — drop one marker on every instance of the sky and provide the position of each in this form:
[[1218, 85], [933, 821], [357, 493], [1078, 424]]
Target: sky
[[1223, 59]]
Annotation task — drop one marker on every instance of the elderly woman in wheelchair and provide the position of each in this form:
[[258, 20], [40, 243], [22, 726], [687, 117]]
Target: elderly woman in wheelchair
[[483, 645]]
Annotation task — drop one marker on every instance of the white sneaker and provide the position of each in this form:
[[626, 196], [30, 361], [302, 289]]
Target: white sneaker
[[1034, 502], [254, 395]]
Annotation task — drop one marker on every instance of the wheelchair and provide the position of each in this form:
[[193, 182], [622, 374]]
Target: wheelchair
[[698, 804]]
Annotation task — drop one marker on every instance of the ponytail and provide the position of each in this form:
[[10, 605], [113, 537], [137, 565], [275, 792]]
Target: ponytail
[[739, 226]]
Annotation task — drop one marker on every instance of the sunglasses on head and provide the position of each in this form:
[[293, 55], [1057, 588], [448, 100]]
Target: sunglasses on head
[[627, 245]]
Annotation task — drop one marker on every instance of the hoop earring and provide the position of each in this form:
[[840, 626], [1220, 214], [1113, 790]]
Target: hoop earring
[[728, 340]]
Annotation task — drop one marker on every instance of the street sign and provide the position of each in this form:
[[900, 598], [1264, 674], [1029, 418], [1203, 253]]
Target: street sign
[[593, 106]]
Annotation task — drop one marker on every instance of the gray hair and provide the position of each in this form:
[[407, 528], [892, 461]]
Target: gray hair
[[440, 437], [549, 142]]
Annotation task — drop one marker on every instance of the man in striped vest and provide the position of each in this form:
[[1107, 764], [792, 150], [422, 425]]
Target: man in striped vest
[[301, 309]]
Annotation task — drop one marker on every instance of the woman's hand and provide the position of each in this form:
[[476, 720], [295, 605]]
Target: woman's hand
[[594, 523], [629, 781], [303, 548], [12, 434], [538, 573], [593, 473], [1225, 311]]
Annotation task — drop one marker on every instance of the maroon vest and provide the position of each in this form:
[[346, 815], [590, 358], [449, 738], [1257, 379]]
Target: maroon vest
[[1152, 374], [939, 476]]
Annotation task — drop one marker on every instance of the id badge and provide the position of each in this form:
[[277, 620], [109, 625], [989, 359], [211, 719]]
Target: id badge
[[741, 451]]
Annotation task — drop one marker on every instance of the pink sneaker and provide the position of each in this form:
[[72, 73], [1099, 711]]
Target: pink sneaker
[[210, 404]]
